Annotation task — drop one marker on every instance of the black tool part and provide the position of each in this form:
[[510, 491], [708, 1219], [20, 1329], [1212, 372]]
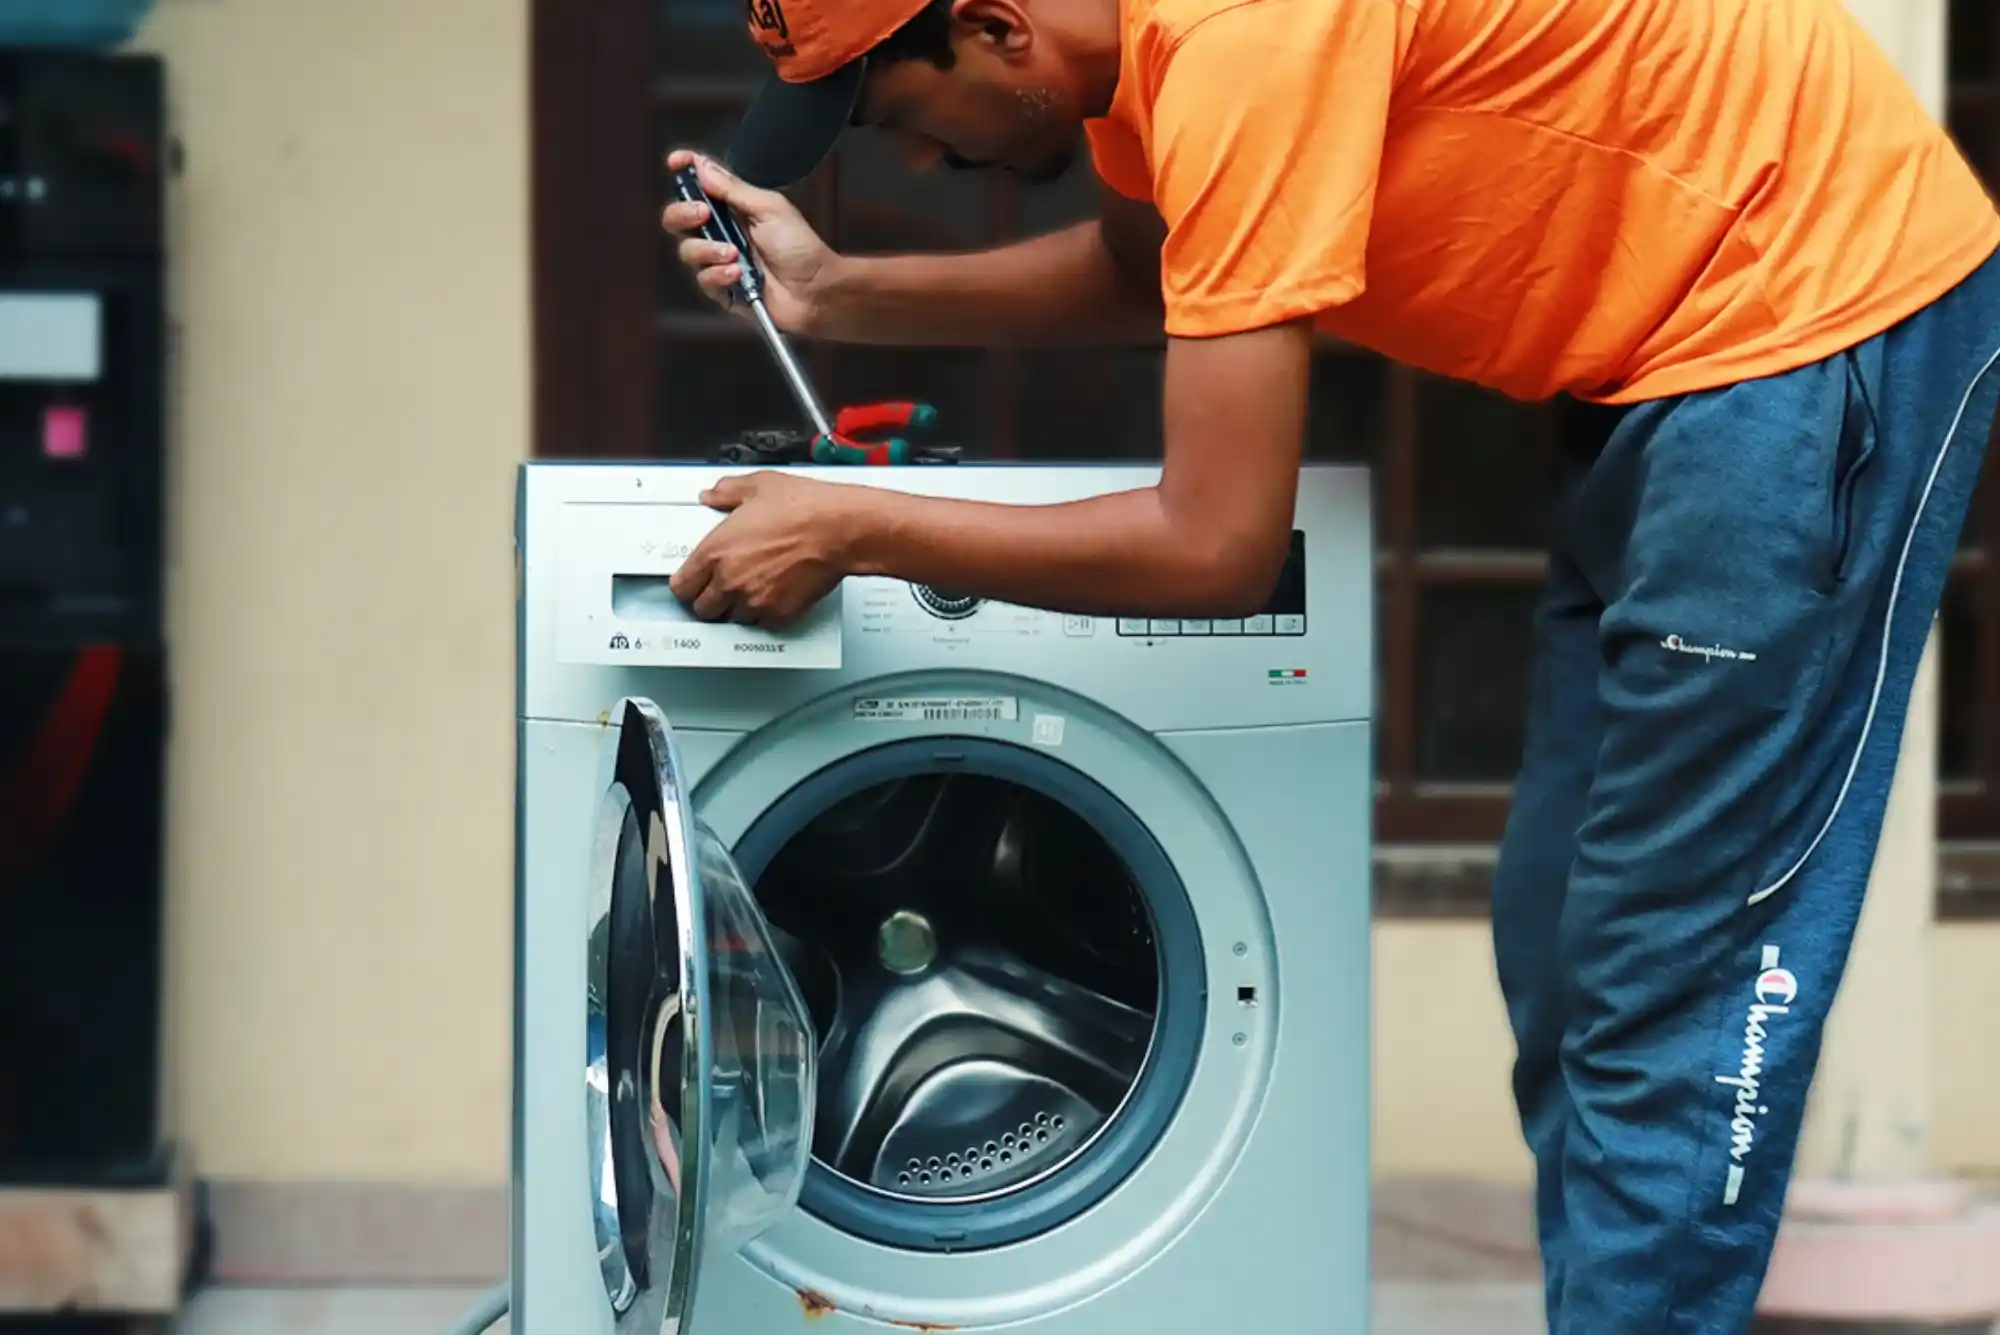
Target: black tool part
[[779, 448], [765, 449], [723, 227]]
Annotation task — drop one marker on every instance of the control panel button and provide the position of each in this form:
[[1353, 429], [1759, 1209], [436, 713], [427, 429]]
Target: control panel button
[[1291, 625], [1132, 625], [1079, 627], [1163, 627], [1231, 627], [1258, 625], [1194, 627]]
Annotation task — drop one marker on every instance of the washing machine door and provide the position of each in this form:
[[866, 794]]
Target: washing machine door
[[701, 1052]]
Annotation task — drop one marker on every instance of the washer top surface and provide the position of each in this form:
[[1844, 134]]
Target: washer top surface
[[597, 544]]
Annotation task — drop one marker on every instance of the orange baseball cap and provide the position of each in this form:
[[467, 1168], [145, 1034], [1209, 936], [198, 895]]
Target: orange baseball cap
[[818, 49]]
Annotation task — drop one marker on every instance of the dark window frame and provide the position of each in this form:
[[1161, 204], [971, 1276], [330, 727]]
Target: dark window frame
[[1969, 809], [598, 330]]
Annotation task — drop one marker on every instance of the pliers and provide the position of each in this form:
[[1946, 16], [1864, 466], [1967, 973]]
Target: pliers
[[853, 440], [856, 432]]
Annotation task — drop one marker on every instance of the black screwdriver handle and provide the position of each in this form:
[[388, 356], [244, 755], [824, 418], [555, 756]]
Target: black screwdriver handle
[[723, 227]]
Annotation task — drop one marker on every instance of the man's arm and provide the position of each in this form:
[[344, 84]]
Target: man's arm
[[1208, 540], [1092, 283], [1095, 282]]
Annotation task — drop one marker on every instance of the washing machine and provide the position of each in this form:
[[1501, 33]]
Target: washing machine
[[937, 963]]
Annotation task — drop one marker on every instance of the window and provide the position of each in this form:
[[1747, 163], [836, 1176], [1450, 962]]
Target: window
[[630, 362], [1969, 626]]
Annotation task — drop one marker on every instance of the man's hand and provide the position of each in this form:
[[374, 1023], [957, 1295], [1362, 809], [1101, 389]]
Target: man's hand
[[784, 546], [795, 262]]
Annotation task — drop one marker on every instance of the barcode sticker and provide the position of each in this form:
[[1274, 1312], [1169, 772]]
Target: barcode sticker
[[937, 709]]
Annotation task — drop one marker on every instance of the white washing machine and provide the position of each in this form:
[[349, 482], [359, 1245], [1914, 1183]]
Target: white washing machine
[[937, 963]]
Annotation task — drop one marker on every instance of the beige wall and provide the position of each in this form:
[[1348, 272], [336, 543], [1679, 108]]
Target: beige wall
[[351, 275], [351, 251]]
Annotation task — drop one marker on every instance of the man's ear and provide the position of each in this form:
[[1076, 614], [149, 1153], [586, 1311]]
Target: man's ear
[[1001, 24]]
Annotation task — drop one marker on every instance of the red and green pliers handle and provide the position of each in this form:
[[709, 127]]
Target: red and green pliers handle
[[851, 426], [837, 449], [864, 418]]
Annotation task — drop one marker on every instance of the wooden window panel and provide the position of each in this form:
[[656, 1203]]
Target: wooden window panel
[[1087, 403], [630, 361], [1396, 538], [1474, 659], [594, 193], [1464, 558], [886, 208], [1962, 665], [1461, 707], [1483, 483], [1969, 623]]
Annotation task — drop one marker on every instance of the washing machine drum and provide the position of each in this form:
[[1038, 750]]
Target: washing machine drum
[[981, 970], [701, 1070]]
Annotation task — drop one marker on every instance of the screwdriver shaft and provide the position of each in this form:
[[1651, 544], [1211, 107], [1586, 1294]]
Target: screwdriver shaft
[[788, 365]]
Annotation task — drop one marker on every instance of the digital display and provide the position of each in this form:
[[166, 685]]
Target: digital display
[[51, 336], [1284, 612], [647, 598]]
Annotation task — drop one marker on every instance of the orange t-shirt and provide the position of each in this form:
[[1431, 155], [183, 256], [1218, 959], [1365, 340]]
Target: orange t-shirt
[[1618, 199]]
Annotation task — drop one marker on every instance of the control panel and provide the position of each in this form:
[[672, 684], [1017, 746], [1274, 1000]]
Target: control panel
[[600, 545], [617, 606], [948, 624]]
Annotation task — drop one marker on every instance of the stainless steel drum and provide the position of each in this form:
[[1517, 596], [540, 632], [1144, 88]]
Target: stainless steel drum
[[701, 1058], [982, 970]]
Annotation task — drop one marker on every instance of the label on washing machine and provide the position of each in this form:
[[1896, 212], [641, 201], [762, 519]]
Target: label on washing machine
[[937, 709]]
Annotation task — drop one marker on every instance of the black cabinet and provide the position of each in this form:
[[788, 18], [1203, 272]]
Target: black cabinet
[[84, 154], [83, 159]]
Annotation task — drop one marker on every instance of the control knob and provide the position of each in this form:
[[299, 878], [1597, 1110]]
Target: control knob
[[942, 605]]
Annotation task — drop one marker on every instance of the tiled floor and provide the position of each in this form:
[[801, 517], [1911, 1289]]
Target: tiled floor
[[1459, 1309], [1400, 1309], [326, 1312]]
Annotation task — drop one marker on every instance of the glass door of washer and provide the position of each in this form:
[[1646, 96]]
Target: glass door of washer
[[701, 1054]]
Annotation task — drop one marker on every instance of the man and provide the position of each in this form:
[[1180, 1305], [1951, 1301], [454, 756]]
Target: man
[[1731, 215]]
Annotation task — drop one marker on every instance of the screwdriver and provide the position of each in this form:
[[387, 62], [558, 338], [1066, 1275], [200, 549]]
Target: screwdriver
[[722, 226]]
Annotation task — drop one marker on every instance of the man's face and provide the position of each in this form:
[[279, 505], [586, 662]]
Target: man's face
[[1002, 104]]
